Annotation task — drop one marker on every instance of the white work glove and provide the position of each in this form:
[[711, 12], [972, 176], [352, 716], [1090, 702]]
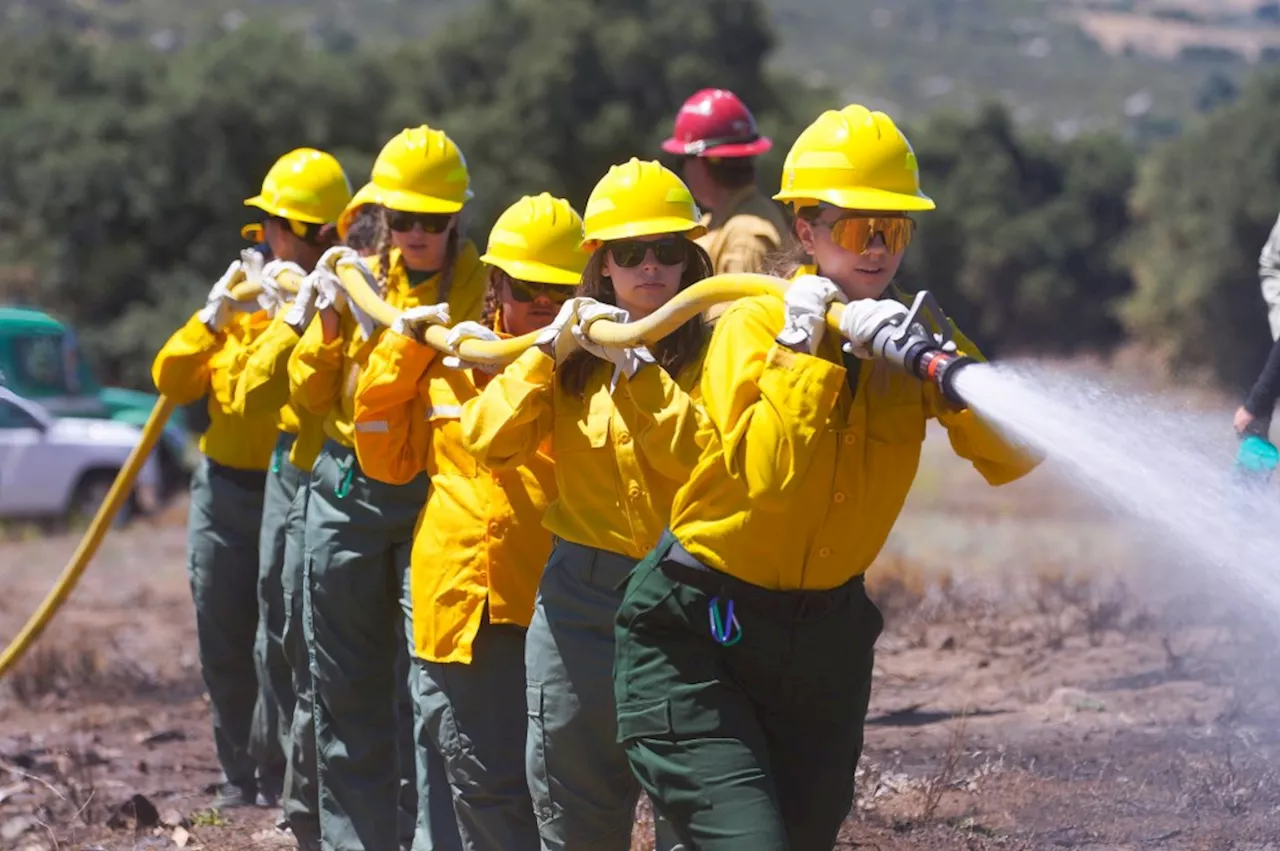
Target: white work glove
[[304, 306], [342, 255], [807, 300], [273, 297], [470, 331], [328, 287], [557, 339], [219, 304], [626, 361], [410, 322], [864, 318], [335, 255]]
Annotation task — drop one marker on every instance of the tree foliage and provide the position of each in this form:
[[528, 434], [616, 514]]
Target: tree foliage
[[1021, 250], [122, 169], [1204, 205]]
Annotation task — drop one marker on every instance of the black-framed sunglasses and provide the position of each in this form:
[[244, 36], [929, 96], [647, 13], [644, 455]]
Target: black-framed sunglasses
[[401, 221], [668, 251], [528, 291]]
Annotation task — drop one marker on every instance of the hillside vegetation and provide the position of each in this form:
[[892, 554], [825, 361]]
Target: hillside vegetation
[[1069, 65], [123, 161]]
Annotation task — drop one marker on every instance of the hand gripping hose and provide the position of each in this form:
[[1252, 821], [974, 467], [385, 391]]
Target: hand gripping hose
[[917, 352]]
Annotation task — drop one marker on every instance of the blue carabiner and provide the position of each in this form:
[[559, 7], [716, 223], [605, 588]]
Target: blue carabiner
[[344, 484], [275, 459], [727, 631]]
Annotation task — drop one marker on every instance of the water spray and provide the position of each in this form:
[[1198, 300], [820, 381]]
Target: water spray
[[923, 346]]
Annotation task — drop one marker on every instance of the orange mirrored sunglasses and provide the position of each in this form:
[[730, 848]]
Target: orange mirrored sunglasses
[[856, 233]]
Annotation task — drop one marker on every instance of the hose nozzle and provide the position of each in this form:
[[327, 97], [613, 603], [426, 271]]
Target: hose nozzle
[[922, 345]]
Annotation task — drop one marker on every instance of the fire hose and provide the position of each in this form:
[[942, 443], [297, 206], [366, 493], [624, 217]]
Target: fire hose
[[918, 344]]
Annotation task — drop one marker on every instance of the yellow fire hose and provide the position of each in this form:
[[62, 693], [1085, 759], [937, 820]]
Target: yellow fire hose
[[120, 490], [359, 287]]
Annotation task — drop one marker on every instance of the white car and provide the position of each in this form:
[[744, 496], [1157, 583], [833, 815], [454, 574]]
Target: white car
[[62, 467]]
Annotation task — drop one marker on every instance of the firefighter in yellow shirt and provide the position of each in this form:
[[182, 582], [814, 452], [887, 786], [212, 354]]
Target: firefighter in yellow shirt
[[480, 544], [624, 433], [301, 199], [359, 531], [716, 137], [745, 640], [204, 359]]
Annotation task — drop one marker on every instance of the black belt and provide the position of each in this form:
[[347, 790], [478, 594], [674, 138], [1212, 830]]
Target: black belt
[[250, 480], [785, 606]]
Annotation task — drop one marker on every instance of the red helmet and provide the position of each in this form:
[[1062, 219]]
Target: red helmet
[[715, 123]]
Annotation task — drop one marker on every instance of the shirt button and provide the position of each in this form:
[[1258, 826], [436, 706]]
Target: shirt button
[[824, 552], [850, 439], [837, 498], [634, 491], [624, 438]]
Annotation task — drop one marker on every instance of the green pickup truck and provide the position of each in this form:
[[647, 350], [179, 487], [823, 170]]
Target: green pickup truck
[[40, 360]]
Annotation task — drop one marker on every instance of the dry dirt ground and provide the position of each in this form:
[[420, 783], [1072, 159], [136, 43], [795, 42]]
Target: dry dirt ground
[[1044, 682]]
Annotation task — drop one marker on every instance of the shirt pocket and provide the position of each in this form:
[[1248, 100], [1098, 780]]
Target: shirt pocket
[[446, 440], [584, 425]]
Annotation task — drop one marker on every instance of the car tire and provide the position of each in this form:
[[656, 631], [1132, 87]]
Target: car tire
[[90, 492]]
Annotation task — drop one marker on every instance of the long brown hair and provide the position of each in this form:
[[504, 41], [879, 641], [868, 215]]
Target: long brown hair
[[450, 256], [673, 352], [788, 259], [491, 314]]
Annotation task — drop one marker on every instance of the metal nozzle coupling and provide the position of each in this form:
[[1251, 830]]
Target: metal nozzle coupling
[[921, 345]]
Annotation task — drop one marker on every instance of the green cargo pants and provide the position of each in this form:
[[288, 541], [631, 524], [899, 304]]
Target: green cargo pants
[[750, 742], [584, 793], [299, 799], [357, 613], [274, 711], [222, 564], [475, 715]]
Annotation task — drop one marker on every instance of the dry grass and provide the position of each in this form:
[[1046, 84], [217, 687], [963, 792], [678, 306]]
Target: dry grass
[[76, 669]]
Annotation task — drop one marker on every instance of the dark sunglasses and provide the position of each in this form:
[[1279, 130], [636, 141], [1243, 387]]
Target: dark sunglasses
[[403, 222], [668, 251], [528, 291]]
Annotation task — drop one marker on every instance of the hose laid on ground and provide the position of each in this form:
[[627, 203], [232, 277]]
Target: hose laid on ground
[[120, 491], [360, 288]]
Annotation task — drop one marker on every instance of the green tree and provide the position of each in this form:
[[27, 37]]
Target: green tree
[[123, 168], [1203, 207], [1021, 250]]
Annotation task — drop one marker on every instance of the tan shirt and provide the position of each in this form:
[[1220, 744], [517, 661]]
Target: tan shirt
[[741, 236]]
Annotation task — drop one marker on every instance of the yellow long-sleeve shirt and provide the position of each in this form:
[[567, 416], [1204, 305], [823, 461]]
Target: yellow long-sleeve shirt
[[195, 362], [619, 457], [801, 482], [263, 387], [323, 376], [480, 539]]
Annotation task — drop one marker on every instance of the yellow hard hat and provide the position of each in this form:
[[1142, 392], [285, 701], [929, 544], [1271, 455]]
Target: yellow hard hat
[[855, 159], [348, 216], [538, 238], [421, 170], [305, 185], [640, 199]]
